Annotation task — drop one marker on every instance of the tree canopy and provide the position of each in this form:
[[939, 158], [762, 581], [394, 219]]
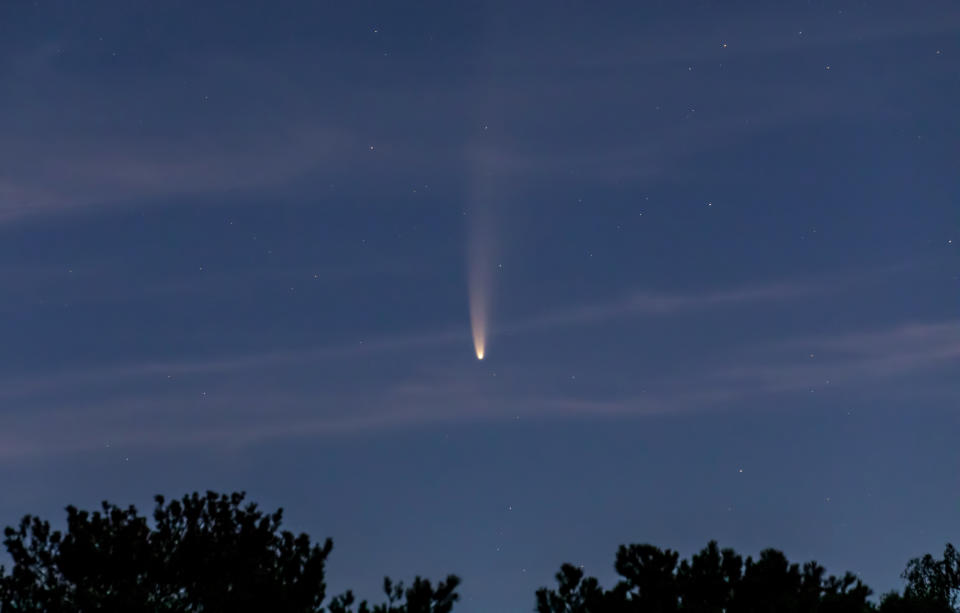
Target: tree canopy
[[211, 553], [654, 580], [202, 553], [712, 581]]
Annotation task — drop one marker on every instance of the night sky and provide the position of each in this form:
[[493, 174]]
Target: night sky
[[713, 248]]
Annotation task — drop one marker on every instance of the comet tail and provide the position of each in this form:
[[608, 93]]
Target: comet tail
[[480, 277]]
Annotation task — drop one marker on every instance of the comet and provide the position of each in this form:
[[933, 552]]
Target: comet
[[480, 255], [485, 195], [478, 322]]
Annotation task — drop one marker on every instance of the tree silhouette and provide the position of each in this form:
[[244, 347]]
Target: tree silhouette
[[421, 597], [212, 553], [933, 586], [575, 594], [707, 581], [649, 577], [202, 553], [712, 581]]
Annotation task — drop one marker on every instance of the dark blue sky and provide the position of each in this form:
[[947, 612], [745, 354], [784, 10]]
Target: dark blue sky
[[724, 299]]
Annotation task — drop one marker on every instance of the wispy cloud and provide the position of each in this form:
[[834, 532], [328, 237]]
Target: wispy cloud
[[246, 413], [636, 304], [644, 303], [91, 172], [297, 392], [849, 358], [168, 136], [861, 364]]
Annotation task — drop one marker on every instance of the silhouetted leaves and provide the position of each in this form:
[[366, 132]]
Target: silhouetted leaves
[[214, 554], [707, 581], [712, 581], [933, 585], [575, 594], [202, 553], [421, 597]]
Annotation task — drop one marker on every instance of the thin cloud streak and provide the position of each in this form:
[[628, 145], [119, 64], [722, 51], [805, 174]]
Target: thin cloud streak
[[853, 361], [90, 174], [652, 304], [71, 163], [851, 358], [634, 305], [244, 417], [256, 361]]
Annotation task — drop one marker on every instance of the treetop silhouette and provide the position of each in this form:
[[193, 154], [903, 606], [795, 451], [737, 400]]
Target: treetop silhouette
[[653, 580], [201, 553], [213, 553]]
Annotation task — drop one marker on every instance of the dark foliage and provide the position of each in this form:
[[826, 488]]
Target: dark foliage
[[712, 581], [933, 586], [421, 597], [720, 581], [202, 553], [213, 553]]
